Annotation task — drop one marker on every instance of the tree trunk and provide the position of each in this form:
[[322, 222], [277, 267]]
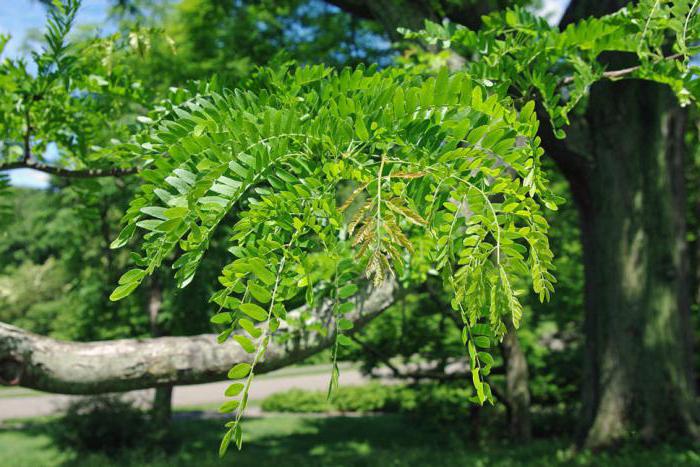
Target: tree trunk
[[629, 191], [161, 410], [638, 367], [517, 392]]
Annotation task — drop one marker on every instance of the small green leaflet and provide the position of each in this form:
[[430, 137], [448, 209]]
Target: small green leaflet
[[225, 441], [347, 291], [221, 318], [250, 328], [134, 275], [258, 267], [123, 291], [246, 343], [239, 371], [344, 340], [229, 406], [259, 293], [254, 311], [234, 389]]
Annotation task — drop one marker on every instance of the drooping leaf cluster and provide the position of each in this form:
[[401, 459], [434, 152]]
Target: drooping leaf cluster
[[523, 55], [443, 173]]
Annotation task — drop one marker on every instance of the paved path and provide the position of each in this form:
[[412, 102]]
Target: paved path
[[315, 377]]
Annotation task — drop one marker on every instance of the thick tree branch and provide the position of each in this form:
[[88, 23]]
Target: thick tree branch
[[388, 13], [69, 173], [46, 364], [382, 358], [411, 13]]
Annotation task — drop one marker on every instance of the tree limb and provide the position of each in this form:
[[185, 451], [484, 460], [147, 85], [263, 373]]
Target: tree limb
[[382, 358], [68, 173], [46, 364], [411, 13], [621, 73]]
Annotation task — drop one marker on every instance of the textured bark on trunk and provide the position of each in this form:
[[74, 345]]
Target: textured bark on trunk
[[392, 14], [638, 366], [629, 191], [46, 364], [161, 409], [517, 392]]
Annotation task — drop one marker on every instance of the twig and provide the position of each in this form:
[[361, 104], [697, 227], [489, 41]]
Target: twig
[[614, 74], [68, 173]]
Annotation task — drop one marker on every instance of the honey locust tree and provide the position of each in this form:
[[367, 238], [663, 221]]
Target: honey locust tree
[[446, 179], [625, 158], [159, 52]]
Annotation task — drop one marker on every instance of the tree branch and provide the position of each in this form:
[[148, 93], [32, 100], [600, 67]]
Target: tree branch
[[27, 136], [621, 73], [46, 364], [27, 163], [382, 358], [411, 13], [69, 173]]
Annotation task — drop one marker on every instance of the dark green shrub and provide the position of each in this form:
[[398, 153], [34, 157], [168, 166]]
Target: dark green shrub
[[297, 401], [372, 397], [439, 403], [106, 424]]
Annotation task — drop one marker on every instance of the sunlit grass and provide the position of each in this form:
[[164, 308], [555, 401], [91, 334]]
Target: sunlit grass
[[283, 441], [9, 392]]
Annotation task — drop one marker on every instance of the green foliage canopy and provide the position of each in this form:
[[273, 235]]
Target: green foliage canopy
[[445, 172]]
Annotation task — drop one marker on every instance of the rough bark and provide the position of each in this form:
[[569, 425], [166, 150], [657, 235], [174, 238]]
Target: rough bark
[[411, 14], [638, 368], [391, 14], [517, 393], [628, 187], [161, 409], [46, 364]]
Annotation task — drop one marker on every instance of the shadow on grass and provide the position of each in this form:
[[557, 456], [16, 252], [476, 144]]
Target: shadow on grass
[[285, 440], [388, 440]]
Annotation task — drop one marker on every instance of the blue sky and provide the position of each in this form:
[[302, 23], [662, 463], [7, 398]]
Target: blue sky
[[18, 17]]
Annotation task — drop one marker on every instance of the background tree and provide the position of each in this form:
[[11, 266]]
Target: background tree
[[156, 49], [611, 338], [621, 389]]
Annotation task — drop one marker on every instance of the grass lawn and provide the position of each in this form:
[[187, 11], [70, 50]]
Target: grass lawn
[[287, 441], [12, 391]]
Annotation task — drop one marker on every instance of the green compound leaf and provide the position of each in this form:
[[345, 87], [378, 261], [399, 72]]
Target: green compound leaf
[[239, 371], [254, 311]]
